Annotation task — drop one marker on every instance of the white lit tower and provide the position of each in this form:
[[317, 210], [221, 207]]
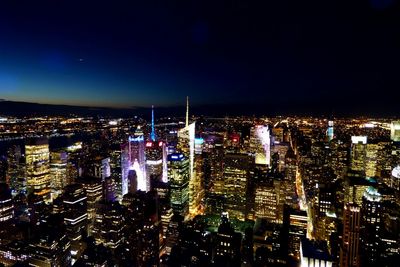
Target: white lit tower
[[133, 160], [186, 145], [260, 144], [329, 131], [137, 159]]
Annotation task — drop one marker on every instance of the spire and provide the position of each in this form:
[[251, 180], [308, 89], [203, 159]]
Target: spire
[[153, 133], [187, 111]]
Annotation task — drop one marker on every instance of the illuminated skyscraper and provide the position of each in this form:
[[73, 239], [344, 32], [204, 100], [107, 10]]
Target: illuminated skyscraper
[[395, 178], [350, 249], [138, 159], [125, 168], [52, 249], [6, 207], [94, 193], [109, 224], [58, 171], [314, 254], [154, 160], [153, 132], [75, 216], [178, 174], [186, 146], [395, 131], [371, 159], [260, 144], [133, 158], [358, 153], [371, 225], [329, 131], [268, 204], [16, 175], [196, 187], [156, 156], [38, 167], [237, 169]]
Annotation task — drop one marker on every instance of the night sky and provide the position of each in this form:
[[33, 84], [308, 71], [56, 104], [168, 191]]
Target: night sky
[[324, 56]]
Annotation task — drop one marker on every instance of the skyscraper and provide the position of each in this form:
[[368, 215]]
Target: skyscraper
[[329, 131], [358, 153], [6, 206], [186, 146], [75, 216], [38, 167], [133, 157], [350, 248], [371, 225], [237, 167], [268, 204], [16, 175], [395, 131], [94, 193], [178, 174], [154, 160], [58, 171], [260, 144]]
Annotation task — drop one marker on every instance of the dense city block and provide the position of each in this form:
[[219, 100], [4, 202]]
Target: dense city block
[[199, 191]]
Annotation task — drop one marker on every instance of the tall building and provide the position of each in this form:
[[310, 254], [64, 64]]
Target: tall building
[[371, 212], [227, 244], [38, 167], [133, 158], [58, 171], [260, 144], [372, 152], [329, 131], [358, 153], [196, 187], [237, 168], [350, 248], [109, 224], [154, 160], [395, 178], [75, 216], [355, 184], [16, 175], [94, 193], [137, 159], [178, 175], [50, 250], [314, 254], [268, 203], [6, 207], [395, 131]]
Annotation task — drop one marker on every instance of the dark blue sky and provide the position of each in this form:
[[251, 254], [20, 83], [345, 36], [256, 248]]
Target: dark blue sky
[[279, 54]]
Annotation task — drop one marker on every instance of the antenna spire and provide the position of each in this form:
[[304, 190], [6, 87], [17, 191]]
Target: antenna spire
[[153, 133], [187, 111]]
